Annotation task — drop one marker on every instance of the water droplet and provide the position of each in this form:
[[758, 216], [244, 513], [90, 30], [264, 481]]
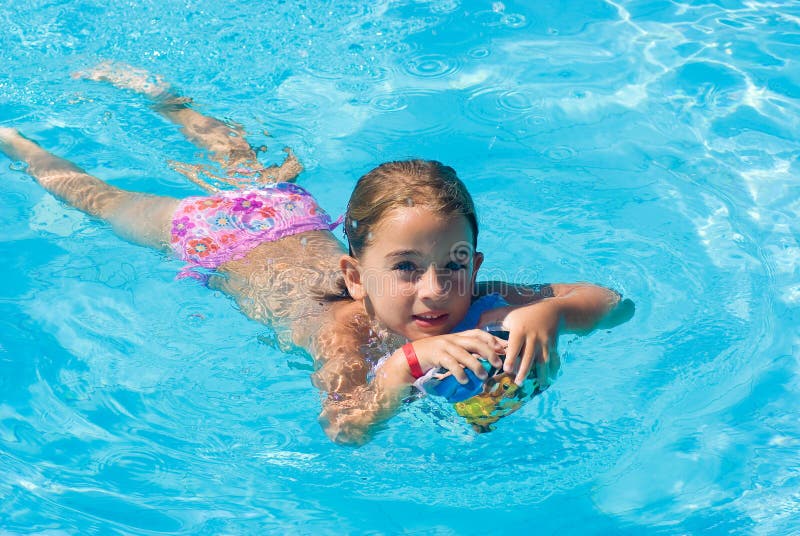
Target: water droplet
[[409, 202], [559, 153], [195, 319], [432, 66], [354, 224], [390, 103], [479, 52], [514, 20], [304, 241]]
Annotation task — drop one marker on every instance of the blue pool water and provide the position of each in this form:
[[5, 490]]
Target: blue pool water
[[651, 146]]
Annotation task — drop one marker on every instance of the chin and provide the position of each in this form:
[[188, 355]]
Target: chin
[[420, 334]]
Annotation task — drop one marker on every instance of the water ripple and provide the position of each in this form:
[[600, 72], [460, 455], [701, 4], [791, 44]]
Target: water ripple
[[401, 98], [479, 52], [560, 153], [646, 146], [432, 66]]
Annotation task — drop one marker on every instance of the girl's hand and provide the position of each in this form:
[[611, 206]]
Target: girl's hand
[[533, 335], [457, 351]]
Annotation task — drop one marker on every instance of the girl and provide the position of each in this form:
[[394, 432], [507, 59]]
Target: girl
[[401, 302]]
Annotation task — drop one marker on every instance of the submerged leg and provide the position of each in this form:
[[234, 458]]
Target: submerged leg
[[141, 218], [226, 143]]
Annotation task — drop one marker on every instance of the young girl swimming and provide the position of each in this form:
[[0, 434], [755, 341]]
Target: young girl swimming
[[401, 303]]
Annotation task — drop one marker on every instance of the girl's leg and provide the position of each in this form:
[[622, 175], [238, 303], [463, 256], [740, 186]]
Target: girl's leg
[[141, 218], [225, 143]]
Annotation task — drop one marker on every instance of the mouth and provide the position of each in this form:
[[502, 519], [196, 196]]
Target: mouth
[[430, 320]]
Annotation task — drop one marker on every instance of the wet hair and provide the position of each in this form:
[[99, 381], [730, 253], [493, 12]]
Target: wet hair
[[420, 183]]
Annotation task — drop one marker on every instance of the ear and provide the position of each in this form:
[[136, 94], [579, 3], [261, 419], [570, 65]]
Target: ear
[[352, 277], [477, 260]]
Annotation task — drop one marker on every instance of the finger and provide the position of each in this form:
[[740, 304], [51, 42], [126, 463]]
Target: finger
[[545, 352], [477, 368], [458, 359], [527, 360], [515, 343], [472, 361], [483, 350], [499, 342], [554, 364], [451, 364], [499, 345], [542, 367], [542, 374]]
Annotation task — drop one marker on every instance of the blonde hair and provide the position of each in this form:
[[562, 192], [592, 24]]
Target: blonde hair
[[422, 183]]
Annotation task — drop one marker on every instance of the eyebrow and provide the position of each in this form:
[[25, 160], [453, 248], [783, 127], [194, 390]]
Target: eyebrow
[[409, 253], [404, 253]]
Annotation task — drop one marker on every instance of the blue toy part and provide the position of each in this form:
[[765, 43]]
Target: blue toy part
[[441, 383], [451, 389]]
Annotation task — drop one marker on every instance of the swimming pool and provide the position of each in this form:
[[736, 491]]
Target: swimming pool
[[649, 146]]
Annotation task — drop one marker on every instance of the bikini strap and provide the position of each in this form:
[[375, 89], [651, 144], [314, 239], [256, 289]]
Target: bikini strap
[[337, 223]]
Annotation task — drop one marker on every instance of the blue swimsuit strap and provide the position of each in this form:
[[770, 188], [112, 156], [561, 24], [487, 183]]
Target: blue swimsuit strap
[[478, 307]]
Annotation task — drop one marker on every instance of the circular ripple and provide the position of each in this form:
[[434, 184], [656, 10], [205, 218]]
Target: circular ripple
[[517, 101], [536, 120], [402, 48], [133, 461], [431, 66], [560, 153], [389, 103], [492, 105], [430, 131], [479, 52], [445, 6], [18, 166], [398, 100], [514, 20]]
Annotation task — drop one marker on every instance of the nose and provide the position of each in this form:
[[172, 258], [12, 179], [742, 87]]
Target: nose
[[432, 284]]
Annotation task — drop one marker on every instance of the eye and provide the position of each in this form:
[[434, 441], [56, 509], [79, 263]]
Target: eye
[[454, 266], [405, 266]]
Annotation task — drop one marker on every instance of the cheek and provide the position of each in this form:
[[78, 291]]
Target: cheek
[[374, 287], [462, 282], [385, 286]]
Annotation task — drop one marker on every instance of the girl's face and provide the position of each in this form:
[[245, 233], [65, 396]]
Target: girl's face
[[417, 274]]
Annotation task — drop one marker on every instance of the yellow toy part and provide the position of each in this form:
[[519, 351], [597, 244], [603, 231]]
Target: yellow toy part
[[500, 397]]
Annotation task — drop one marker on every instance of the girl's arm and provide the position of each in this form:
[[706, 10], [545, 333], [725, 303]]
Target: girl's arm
[[527, 294], [584, 306], [355, 408], [534, 324], [516, 294]]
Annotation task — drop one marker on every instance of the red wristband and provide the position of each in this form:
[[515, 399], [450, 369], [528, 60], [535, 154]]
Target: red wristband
[[413, 361]]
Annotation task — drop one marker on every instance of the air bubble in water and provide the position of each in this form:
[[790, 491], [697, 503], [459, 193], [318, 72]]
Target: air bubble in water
[[18, 166]]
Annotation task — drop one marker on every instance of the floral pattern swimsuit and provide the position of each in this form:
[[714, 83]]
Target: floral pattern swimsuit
[[208, 231]]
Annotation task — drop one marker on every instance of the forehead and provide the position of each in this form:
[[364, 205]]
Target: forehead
[[417, 227]]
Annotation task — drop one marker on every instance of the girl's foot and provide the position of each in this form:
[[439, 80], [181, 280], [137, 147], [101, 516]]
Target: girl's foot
[[7, 134], [125, 76], [10, 141]]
